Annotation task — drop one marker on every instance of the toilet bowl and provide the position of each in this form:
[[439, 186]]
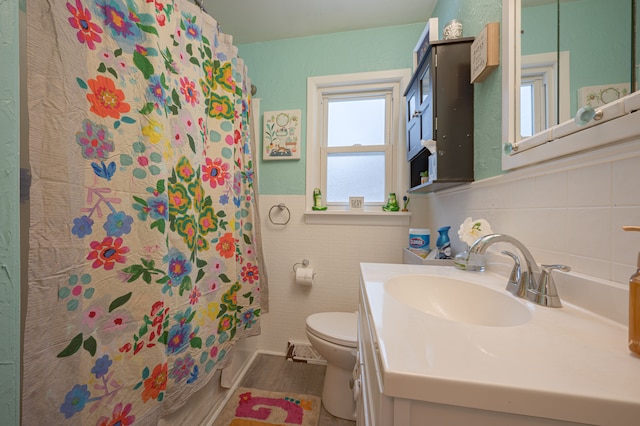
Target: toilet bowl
[[334, 336]]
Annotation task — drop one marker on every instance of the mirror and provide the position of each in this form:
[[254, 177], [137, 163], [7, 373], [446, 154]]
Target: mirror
[[583, 55], [588, 41], [541, 90]]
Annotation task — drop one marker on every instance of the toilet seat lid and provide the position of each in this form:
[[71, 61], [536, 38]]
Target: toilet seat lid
[[340, 328]]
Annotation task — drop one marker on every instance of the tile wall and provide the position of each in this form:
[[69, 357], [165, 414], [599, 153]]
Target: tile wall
[[334, 253], [564, 212], [567, 212]]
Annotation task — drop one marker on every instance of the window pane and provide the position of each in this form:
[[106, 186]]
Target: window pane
[[360, 174], [353, 122], [526, 110]]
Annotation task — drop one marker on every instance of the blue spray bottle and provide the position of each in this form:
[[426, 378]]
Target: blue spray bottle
[[443, 245]]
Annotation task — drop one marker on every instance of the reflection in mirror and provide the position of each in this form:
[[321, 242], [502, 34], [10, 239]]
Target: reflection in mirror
[[590, 41], [544, 91], [598, 35], [539, 97], [580, 64]]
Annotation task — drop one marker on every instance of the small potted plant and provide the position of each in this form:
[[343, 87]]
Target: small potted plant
[[424, 177]]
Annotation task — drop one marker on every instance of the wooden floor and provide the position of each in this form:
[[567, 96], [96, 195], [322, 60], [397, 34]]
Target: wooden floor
[[275, 373]]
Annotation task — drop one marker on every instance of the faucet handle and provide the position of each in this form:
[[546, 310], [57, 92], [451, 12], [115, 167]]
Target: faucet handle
[[514, 285], [549, 268], [546, 293]]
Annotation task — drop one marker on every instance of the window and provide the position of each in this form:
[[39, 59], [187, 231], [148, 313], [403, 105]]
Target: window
[[355, 138], [534, 95], [356, 147], [538, 87], [544, 93]]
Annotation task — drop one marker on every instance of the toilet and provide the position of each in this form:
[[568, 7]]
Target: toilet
[[334, 336]]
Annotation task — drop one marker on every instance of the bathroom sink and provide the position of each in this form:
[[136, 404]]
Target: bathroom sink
[[457, 300], [458, 345]]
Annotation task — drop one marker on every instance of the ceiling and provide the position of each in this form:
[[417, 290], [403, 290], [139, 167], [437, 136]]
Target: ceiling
[[250, 21]]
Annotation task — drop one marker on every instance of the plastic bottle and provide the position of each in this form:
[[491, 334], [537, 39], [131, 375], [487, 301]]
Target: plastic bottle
[[443, 244], [420, 239], [634, 303]]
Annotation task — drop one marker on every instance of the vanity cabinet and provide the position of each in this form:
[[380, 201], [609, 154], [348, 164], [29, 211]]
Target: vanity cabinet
[[374, 406], [418, 369], [439, 107]]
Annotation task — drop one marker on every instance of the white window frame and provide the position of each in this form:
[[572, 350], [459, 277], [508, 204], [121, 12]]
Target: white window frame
[[542, 111], [553, 69], [386, 148], [318, 88]]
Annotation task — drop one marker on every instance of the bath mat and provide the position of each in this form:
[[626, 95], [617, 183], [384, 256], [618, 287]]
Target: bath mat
[[255, 407]]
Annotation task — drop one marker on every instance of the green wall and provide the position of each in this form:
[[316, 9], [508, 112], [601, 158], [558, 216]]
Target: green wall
[[9, 214], [280, 69], [474, 15]]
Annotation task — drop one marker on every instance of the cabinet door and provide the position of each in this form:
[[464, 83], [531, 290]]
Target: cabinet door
[[454, 112], [427, 100], [413, 122]]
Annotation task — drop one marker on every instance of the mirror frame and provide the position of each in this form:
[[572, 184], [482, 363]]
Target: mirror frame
[[620, 120]]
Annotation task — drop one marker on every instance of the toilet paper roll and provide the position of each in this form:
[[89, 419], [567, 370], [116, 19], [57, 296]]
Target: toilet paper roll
[[304, 276]]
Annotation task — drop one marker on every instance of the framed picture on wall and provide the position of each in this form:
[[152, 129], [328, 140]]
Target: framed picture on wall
[[281, 135]]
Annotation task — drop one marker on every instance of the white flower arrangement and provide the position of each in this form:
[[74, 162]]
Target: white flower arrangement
[[470, 230]]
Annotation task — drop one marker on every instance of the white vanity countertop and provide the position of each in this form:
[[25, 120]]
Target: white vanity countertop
[[565, 363]]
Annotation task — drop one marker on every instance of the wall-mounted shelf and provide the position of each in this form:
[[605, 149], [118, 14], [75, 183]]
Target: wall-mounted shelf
[[434, 186]]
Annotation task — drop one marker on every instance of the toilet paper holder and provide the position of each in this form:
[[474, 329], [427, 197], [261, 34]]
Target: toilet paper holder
[[304, 263]]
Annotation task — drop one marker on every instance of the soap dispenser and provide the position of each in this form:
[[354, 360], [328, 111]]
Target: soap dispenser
[[634, 303]]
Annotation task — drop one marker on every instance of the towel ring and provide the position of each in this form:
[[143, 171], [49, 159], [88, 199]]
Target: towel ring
[[280, 206]]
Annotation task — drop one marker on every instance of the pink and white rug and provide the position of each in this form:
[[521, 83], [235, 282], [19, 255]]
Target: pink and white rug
[[255, 407]]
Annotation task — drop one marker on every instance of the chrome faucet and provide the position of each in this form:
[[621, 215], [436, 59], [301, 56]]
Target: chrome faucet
[[514, 285], [531, 284], [546, 293]]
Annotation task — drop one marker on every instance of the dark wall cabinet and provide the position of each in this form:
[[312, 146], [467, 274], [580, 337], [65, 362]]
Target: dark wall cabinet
[[439, 103]]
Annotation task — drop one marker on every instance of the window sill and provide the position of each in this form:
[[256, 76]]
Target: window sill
[[362, 217]]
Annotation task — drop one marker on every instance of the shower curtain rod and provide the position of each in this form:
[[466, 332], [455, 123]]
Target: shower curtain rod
[[200, 5]]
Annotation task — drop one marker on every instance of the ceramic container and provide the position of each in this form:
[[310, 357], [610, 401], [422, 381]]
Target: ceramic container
[[452, 30]]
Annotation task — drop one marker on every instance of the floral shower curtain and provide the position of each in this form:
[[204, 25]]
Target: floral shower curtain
[[144, 265]]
